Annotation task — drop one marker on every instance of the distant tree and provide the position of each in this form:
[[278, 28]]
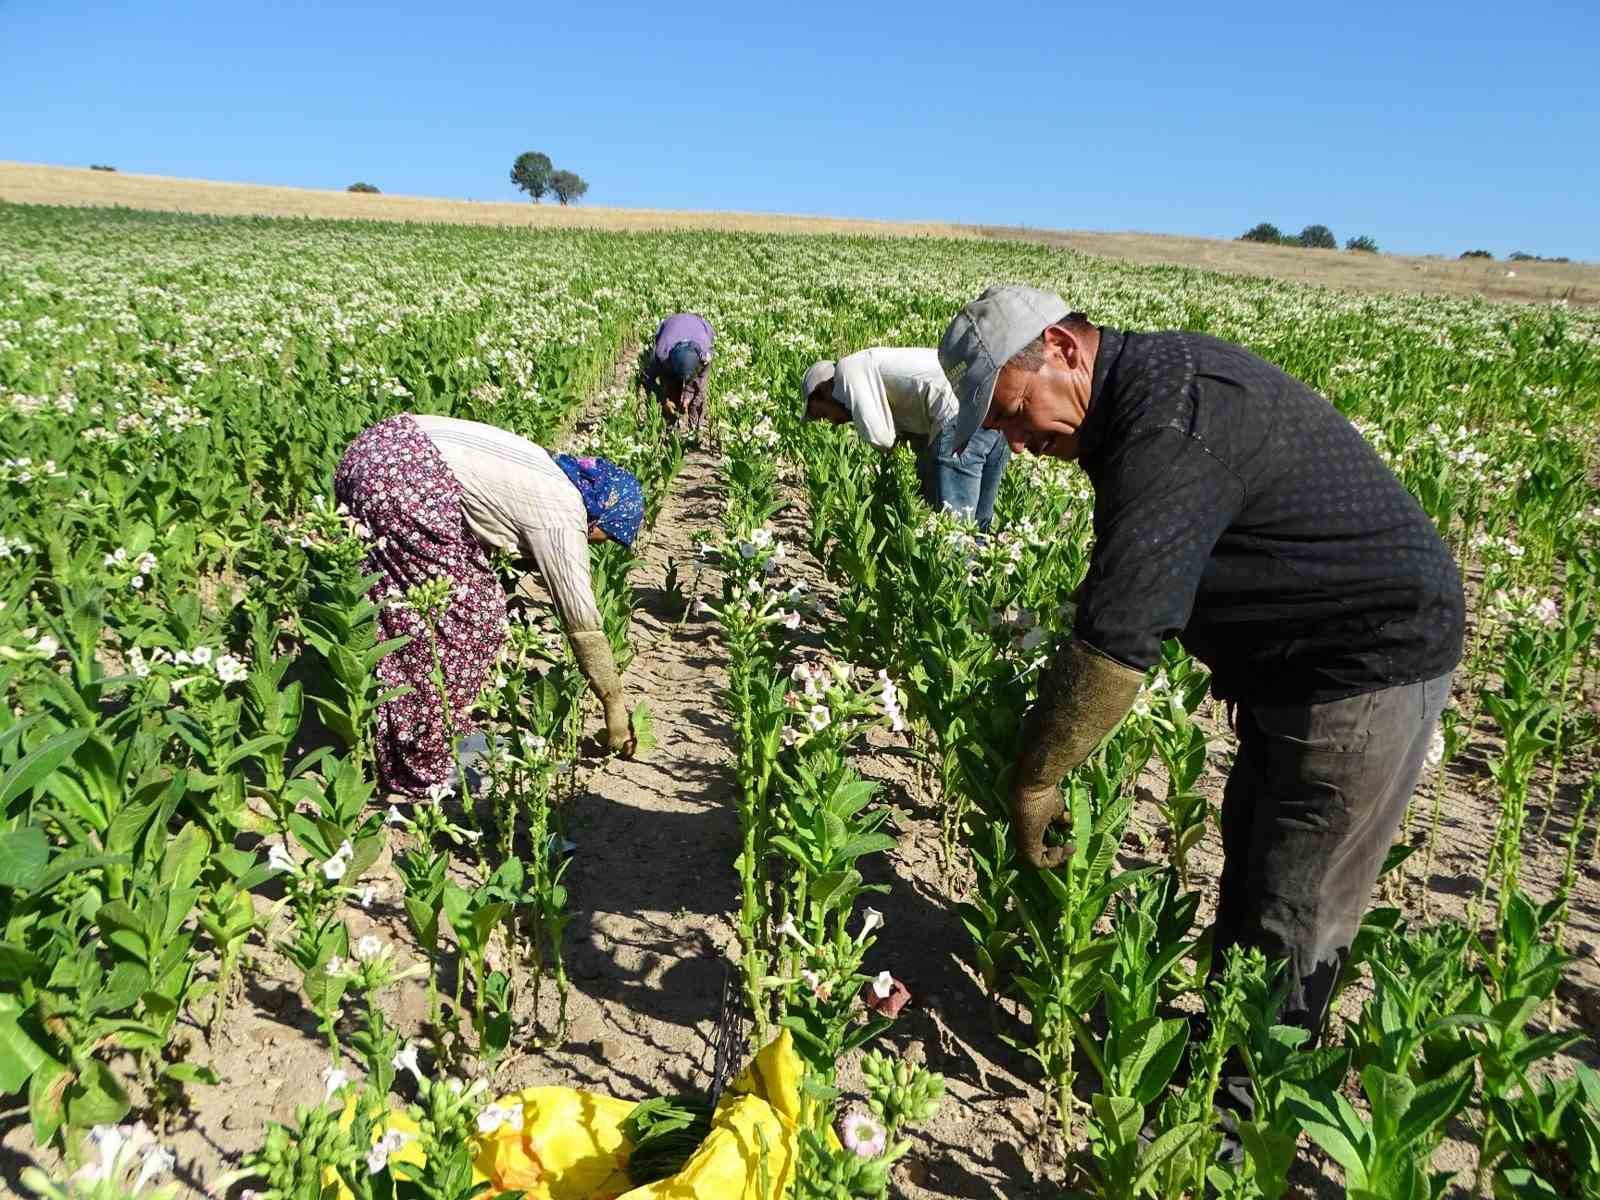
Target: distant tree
[[532, 173], [567, 186], [1476, 254], [1264, 232], [1520, 256], [1317, 237], [100, 167], [362, 187], [1363, 243], [1523, 256]]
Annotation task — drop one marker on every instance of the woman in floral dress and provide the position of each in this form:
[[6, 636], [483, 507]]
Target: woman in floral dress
[[437, 494]]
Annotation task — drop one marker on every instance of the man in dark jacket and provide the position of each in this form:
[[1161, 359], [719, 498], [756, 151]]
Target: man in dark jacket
[[1239, 512]]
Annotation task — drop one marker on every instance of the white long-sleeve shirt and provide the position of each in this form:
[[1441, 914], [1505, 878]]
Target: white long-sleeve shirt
[[892, 392], [516, 499]]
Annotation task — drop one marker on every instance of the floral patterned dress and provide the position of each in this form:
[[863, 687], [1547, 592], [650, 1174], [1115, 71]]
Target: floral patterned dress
[[395, 482]]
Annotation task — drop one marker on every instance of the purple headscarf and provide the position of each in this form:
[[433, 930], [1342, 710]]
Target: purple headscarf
[[611, 496]]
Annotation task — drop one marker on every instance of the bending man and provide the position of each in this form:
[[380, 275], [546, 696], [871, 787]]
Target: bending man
[[893, 395], [436, 494], [1238, 511]]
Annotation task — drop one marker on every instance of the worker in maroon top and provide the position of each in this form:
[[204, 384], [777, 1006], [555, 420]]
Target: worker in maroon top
[[680, 359]]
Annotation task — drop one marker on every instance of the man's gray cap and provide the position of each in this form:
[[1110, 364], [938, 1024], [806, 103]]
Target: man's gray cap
[[984, 336], [816, 375]]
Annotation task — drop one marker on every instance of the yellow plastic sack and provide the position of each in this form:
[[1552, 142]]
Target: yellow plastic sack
[[571, 1145]]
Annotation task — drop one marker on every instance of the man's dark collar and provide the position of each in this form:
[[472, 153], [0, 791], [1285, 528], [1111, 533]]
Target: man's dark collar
[[1091, 432]]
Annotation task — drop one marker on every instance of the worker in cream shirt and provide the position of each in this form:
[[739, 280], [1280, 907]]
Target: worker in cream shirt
[[893, 394]]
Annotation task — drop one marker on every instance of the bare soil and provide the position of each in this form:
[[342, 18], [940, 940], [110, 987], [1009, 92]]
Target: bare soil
[[1578, 283]]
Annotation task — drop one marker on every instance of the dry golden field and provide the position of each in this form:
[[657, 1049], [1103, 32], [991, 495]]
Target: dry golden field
[[1578, 283]]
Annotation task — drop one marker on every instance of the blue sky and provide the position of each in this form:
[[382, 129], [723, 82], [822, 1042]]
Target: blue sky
[[1432, 127]]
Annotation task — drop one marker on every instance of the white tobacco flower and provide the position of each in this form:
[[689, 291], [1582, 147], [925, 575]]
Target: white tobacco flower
[[883, 985], [1547, 612], [863, 1134], [201, 656], [820, 987], [158, 1161], [406, 1060], [47, 646], [1436, 747], [147, 564], [493, 1116], [369, 948], [818, 718], [872, 919], [278, 858], [333, 870], [395, 817], [333, 1079], [231, 669], [378, 1156], [367, 895]]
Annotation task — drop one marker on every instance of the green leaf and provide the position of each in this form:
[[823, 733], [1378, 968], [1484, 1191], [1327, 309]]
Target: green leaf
[[834, 888], [864, 843], [20, 1055], [47, 1099], [185, 1072], [23, 855], [29, 770], [1120, 1116], [1161, 1153], [96, 1097], [16, 964], [643, 730]]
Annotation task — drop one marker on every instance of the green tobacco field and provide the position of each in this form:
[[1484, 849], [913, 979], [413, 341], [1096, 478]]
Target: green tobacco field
[[212, 923]]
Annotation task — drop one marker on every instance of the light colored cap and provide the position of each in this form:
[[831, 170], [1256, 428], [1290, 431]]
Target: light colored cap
[[817, 374], [986, 335]]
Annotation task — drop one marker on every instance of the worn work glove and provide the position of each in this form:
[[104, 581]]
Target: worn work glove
[[1083, 696], [593, 653]]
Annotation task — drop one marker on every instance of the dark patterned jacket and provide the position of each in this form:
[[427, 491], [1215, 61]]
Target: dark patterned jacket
[[1238, 511]]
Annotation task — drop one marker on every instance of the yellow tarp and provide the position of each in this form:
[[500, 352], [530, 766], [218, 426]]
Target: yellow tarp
[[571, 1145]]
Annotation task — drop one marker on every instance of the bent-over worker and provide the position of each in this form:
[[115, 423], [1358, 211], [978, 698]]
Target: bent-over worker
[[436, 494], [1238, 511], [892, 395], [680, 361]]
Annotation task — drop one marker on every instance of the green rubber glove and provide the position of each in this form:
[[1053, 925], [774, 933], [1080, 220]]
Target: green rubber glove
[[593, 653], [1083, 696]]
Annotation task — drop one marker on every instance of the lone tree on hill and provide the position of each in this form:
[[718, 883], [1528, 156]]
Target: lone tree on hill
[[533, 172], [567, 185], [1318, 237], [1363, 243], [365, 188], [1264, 232], [1476, 254]]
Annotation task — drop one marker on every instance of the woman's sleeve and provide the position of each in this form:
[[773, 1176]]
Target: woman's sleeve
[[562, 556]]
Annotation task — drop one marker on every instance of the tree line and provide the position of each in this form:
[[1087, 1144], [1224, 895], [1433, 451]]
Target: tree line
[[1312, 237]]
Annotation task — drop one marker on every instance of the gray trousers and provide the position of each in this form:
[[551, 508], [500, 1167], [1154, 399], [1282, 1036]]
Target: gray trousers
[[1311, 807]]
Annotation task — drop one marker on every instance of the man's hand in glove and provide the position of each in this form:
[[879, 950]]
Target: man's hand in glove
[[1083, 696]]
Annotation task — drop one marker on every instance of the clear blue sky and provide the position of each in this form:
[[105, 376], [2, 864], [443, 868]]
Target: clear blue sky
[[1433, 127]]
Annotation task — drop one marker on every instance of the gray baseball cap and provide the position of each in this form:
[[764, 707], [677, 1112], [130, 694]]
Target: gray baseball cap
[[984, 336]]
